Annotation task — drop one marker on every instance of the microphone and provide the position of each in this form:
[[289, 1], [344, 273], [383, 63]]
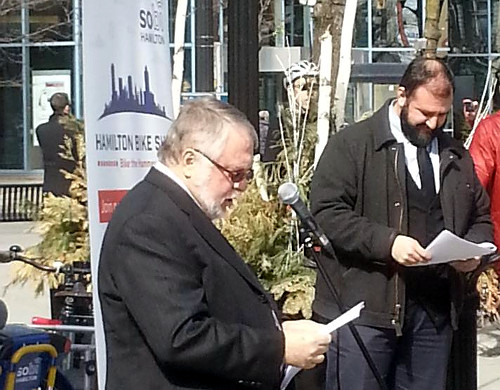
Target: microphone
[[289, 195], [3, 314]]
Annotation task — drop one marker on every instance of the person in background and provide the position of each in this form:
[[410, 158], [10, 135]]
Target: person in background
[[181, 310], [300, 95], [469, 109], [485, 151], [301, 84], [51, 138], [384, 188]]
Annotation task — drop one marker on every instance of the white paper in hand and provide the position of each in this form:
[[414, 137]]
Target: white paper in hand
[[448, 247]]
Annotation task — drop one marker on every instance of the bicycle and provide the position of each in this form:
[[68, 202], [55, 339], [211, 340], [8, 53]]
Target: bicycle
[[29, 355]]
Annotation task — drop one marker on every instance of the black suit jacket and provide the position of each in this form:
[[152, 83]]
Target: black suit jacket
[[181, 310], [51, 137]]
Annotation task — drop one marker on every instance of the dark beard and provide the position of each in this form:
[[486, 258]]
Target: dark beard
[[417, 137]]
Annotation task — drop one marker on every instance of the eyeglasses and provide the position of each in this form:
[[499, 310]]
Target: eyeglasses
[[234, 176], [308, 86]]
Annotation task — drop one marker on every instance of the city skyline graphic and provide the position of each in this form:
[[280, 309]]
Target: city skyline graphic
[[127, 98]]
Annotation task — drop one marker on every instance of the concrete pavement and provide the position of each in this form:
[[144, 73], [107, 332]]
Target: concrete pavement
[[20, 300], [488, 357]]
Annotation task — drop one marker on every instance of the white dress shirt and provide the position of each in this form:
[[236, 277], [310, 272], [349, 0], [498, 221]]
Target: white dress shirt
[[411, 150]]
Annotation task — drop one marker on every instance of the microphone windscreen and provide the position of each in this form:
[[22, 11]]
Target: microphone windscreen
[[288, 193], [3, 314]]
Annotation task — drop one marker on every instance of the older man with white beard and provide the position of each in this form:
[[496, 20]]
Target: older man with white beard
[[181, 309]]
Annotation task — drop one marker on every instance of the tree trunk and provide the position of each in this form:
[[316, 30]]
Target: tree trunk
[[329, 15], [324, 98], [344, 61], [432, 32]]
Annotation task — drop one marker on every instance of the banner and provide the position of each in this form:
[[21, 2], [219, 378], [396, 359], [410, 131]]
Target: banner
[[127, 110]]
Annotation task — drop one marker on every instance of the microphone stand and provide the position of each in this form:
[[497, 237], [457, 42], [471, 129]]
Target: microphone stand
[[327, 246]]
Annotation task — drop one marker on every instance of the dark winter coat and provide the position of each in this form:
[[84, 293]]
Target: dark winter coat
[[50, 136], [358, 196], [181, 310]]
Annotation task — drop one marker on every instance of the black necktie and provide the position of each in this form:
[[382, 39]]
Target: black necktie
[[426, 171]]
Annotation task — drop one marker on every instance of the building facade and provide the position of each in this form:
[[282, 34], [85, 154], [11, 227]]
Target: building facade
[[40, 52]]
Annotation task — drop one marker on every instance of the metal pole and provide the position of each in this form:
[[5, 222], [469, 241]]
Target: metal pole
[[279, 22], [191, 44], [77, 59], [25, 66], [204, 45], [371, 98], [243, 48]]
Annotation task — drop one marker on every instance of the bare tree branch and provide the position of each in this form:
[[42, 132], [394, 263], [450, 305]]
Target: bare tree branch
[[50, 21], [263, 7]]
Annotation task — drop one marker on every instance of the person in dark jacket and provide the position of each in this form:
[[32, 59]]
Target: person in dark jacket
[[51, 136], [384, 188], [181, 310]]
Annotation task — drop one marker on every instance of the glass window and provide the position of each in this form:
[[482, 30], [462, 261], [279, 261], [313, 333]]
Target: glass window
[[11, 103], [495, 25], [10, 22], [360, 37], [294, 23], [469, 25], [51, 57], [55, 58], [470, 79], [396, 23], [50, 20], [186, 83], [172, 8]]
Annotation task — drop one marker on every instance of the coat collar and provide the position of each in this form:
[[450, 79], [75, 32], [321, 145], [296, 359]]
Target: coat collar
[[55, 117], [203, 225], [382, 134], [450, 149]]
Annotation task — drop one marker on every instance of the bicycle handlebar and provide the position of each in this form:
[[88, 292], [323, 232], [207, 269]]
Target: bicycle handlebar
[[13, 255]]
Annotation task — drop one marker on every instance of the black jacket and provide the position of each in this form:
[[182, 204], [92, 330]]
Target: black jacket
[[51, 139], [358, 196], [181, 310]]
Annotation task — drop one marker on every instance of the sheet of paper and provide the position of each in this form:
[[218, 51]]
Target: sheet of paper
[[348, 316], [448, 247]]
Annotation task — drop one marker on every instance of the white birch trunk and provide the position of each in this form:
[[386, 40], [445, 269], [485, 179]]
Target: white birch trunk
[[325, 91], [344, 73], [178, 57]]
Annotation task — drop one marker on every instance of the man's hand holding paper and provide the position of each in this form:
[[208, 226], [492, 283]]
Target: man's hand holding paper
[[305, 343], [463, 255], [408, 251]]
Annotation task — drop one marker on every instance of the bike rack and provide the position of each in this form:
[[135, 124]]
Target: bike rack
[[87, 349], [29, 349]]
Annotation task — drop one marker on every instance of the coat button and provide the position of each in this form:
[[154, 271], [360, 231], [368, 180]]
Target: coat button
[[397, 204]]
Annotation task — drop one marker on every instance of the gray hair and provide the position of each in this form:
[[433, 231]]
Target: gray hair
[[200, 125]]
